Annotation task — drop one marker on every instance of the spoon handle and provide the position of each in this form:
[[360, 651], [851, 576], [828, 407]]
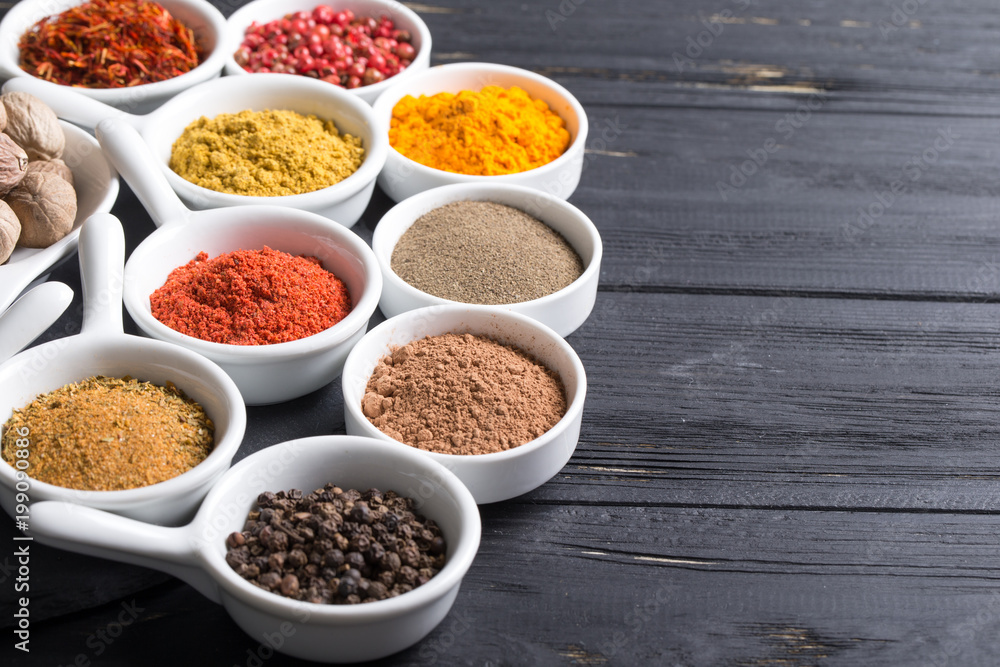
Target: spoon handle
[[70, 105], [102, 258], [133, 159], [97, 533], [31, 315]]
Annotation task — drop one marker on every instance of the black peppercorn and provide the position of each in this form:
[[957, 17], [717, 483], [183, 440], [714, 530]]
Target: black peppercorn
[[336, 545]]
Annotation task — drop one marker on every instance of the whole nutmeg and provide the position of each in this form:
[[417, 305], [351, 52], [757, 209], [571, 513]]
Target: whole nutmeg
[[33, 126], [13, 164], [55, 166], [10, 230], [46, 206]]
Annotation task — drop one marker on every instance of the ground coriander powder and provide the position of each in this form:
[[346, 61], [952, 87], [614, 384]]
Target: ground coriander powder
[[463, 394], [265, 153], [485, 253], [109, 434]]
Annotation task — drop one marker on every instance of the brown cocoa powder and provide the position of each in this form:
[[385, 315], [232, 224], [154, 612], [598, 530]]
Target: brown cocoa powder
[[463, 394]]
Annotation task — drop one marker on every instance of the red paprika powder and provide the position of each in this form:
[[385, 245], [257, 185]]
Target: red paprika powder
[[251, 297]]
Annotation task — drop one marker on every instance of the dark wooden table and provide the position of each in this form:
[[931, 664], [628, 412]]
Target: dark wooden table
[[789, 447]]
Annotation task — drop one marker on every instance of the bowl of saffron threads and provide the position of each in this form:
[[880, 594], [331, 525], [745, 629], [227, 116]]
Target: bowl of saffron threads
[[131, 54]]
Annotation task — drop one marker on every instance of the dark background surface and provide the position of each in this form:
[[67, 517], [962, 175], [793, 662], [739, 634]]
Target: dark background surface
[[788, 453]]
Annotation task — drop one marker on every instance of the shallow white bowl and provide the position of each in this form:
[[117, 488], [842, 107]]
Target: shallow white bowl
[[96, 185], [207, 23], [102, 349], [328, 633], [264, 373], [490, 477], [404, 18], [402, 177], [342, 202], [564, 311]]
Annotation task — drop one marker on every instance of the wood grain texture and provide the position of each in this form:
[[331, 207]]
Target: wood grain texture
[[628, 585], [788, 454]]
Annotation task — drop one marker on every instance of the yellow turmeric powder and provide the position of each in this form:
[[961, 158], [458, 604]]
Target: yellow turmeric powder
[[486, 133]]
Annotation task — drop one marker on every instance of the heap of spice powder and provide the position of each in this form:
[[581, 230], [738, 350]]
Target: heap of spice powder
[[463, 394], [266, 153], [109, 434], [486, 133], [109, 44], [486, 253], [251, 297]]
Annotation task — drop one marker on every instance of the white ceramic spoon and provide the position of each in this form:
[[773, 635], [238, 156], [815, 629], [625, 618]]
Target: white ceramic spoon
[[343, 202], [31, 315], [196, 552], [264, 373], [101, 348]]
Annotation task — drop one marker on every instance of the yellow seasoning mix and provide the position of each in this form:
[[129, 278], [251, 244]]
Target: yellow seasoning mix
[[109, 434], [266, 153], [487, 133]]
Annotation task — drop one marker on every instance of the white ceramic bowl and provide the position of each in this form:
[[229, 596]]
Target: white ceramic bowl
[[207, 23], [263, 11], [564, 311], [327, 633], [102, 349], [96, 185], [264, 373], [342, 202], [490, 477], [402, 177]]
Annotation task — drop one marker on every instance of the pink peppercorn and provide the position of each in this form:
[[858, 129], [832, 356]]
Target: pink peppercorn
[[335, 46]]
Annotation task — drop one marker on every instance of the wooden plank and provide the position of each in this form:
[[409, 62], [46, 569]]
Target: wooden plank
[[609, 584], [916, 218], [925, 57], [752, 401]]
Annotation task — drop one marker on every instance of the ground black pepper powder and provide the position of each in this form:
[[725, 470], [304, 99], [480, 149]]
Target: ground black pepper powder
[[336, 546], [484, 253]]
